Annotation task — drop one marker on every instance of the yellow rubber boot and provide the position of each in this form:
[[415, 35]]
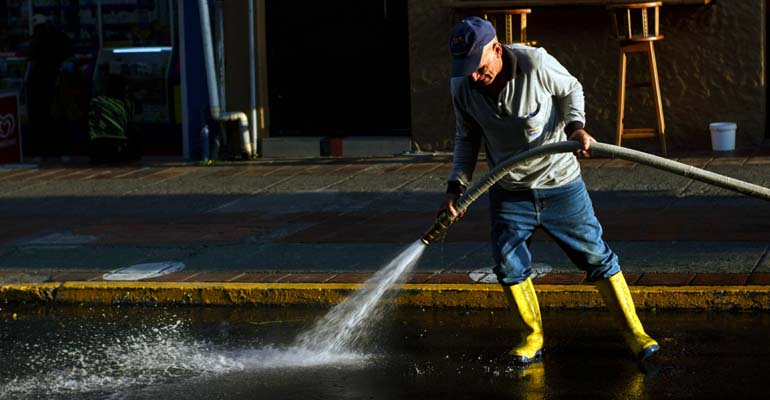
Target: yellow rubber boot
[[526, 311], [618, 299]]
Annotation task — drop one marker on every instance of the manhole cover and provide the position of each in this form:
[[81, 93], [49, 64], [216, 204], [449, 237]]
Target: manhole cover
[[485, 275], [144, 271]]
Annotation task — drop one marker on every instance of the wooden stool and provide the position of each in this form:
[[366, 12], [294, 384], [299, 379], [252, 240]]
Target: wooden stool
[[507, 15], [635, 41]]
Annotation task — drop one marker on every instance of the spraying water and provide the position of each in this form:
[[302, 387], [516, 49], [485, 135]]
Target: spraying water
[[348, 324], [144, 356]]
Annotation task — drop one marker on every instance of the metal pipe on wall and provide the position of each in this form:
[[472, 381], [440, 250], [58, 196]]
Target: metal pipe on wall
[[219, 18], [216, 112], [183, 89], [252, 79]]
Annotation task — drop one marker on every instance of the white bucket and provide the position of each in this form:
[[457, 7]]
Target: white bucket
[[723, 135]]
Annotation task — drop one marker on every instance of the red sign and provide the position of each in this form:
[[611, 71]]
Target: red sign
[[10, 131]]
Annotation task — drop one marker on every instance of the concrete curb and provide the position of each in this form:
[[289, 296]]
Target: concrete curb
[[417, 295]]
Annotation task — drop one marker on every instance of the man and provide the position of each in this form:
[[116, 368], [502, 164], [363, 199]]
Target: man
[[516, 97], [49, 48]]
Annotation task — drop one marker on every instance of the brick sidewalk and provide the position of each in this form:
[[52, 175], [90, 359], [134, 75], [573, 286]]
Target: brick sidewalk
[[633, 279], [79, 212]]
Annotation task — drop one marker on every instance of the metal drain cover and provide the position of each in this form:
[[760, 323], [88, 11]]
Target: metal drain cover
[[485, 275], [144, 271]]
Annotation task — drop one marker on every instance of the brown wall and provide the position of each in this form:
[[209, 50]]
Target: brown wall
[[711, 66], [236, 55]]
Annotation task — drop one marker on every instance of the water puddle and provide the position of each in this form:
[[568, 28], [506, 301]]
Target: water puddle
[[78, 352]]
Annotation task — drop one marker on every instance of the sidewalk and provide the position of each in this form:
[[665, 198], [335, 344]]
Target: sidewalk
[[253, 232]]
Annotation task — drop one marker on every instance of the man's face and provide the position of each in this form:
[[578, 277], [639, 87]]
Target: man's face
[[491, 64]]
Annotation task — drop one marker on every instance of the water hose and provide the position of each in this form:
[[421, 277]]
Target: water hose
[[445, 219]]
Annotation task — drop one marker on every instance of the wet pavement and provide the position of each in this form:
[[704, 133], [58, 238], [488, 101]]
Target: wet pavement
[[83, 352]]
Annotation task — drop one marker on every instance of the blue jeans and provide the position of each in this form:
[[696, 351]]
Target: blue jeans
[[565, 213]]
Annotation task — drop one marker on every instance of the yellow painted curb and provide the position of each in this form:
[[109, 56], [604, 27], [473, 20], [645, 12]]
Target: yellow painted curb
[[419, 295], [28, 292]]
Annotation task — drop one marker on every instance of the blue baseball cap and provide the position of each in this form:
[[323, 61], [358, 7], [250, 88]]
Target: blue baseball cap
[[466, 42]]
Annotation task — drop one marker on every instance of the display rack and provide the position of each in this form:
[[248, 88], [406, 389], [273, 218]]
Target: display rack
[[133, 38], [78, 19], [12, 71], [133, 23], [16, 21], [102, 23], [145, 70], [136, 42], [13, 60]]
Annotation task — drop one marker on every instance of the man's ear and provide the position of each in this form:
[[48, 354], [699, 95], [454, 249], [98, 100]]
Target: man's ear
[[498, 48]]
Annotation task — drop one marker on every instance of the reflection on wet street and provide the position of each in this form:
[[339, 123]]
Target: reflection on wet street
[[247, 353]]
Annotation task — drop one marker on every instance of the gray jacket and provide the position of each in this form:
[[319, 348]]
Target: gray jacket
[[532, 109]]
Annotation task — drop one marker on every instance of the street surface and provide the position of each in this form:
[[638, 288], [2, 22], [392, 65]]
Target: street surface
[[83, 352]]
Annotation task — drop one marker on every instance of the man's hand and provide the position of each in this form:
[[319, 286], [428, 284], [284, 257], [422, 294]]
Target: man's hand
[[585, 140], [449, 204]]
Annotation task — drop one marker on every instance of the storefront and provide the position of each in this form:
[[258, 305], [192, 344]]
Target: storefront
[[134, 39], [310, 61], [342, 69]]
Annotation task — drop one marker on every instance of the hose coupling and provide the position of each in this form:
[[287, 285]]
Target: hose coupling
[[442, 223]]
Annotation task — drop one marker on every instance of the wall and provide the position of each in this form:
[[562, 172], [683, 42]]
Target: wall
[[711, 66], [195, 95], [236, 34]]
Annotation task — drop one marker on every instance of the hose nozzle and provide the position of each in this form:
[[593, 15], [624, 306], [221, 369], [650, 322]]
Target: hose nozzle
[[439, 226]]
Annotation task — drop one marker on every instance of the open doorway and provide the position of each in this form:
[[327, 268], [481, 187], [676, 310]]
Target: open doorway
[[338, 68]]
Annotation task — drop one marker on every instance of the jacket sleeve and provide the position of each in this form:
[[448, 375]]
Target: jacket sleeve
[[567, 90], [467, 141]]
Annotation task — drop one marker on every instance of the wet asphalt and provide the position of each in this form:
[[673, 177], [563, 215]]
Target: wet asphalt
[[82, 352]]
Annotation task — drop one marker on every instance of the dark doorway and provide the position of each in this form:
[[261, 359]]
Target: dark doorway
[[338, 68]]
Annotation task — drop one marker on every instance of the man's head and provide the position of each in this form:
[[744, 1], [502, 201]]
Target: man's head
[[40, 24], [475, 50], [38, 19]]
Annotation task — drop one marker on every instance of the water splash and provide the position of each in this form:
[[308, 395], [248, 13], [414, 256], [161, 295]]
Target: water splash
[[103, 363], [106, 363], [345, 328], [97, 365]]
